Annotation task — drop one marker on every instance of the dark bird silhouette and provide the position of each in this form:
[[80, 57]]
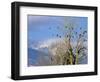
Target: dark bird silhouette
[[57, 35]]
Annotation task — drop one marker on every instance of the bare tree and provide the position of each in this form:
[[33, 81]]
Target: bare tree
[[72, 48]]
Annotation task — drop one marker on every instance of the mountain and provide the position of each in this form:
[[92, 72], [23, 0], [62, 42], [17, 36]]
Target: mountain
[[38, 57]]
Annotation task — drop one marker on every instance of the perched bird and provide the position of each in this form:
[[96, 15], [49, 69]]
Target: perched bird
[[57, 35]]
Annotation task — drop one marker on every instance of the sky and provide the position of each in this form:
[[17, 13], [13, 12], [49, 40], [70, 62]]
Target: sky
[[42, 30]]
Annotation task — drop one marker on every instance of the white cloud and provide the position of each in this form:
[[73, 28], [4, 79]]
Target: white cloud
[[46, 43]]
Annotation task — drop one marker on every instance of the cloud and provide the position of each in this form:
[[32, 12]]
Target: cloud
[[45, 43]]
